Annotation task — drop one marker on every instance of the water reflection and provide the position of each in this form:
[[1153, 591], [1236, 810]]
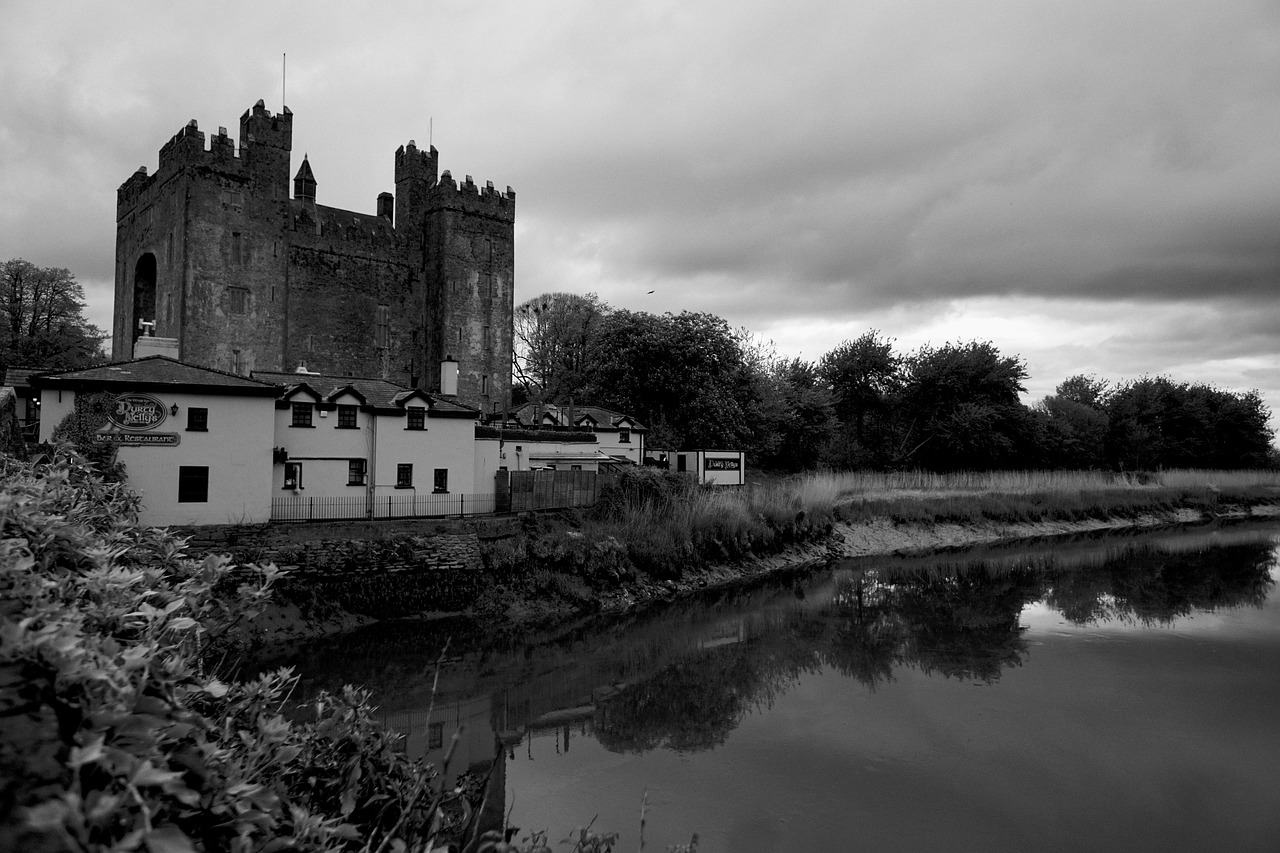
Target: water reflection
[[685, 678]]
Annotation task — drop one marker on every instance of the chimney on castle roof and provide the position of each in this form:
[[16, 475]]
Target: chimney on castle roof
[[449, 377], [387, 207], [304, 183]]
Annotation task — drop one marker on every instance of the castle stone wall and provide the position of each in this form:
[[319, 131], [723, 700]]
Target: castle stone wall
[[247, 278]]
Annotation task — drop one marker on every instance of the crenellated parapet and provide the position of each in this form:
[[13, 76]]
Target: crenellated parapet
[[413, 164], [260, 129], [472, 198], [264, 144]]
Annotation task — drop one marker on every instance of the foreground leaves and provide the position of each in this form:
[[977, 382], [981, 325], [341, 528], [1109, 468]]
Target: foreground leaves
[[114, 737]]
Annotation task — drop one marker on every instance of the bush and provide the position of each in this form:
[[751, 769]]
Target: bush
[[116, 735]]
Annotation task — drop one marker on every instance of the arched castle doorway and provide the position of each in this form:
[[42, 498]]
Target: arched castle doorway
[[144, 296]]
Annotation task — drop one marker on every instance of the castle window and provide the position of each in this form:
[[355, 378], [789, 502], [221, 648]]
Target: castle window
[[301, 415], [484, 385], [235, 247], [237, 300], [355, 472], [346, 417], [193, 484], [237, 362], [382, 327], [417, 418], [486, 337], [197, 419], [441, 481], [404, 476]]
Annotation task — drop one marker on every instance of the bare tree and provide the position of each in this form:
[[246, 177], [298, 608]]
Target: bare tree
[[555, 334]]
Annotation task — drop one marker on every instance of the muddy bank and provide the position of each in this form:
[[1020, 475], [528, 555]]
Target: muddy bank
[[543, 601]]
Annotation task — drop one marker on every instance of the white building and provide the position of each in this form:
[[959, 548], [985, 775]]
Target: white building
[[350, 448], [206, 447], [195, 443], [202, 446], [619, 437]]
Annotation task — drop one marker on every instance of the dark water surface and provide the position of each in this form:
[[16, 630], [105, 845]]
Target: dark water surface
[[1117, 693]]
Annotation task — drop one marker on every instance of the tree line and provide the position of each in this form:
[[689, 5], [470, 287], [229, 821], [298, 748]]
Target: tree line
[[697, 382]]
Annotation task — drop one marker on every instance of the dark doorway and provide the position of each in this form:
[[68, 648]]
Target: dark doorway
[[144, 296]]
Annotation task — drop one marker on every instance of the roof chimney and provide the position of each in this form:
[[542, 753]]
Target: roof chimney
[[449, 377]]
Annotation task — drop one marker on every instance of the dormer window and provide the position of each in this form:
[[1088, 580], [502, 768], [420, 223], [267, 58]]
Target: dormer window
[[417, 418], [301, 415], [624, 436], [346, 417]]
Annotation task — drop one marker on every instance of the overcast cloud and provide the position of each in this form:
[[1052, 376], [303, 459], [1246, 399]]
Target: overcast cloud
[[1092, 185]]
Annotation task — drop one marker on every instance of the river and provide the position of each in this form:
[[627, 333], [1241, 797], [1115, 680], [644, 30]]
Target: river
[[1107, 693]]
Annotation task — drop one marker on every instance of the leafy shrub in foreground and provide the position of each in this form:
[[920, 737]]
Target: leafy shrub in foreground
[[116, 738]]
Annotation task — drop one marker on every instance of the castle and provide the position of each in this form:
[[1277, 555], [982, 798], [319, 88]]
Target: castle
[[212, 251]]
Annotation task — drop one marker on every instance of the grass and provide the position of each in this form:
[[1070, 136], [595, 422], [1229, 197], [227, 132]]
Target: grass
[[923, 497], [660, 524]]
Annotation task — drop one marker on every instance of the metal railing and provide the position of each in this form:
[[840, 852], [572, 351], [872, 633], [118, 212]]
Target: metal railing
[[409, 505]]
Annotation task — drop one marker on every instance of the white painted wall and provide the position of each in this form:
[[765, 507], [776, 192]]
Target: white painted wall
[[236, 449], [696, 465]]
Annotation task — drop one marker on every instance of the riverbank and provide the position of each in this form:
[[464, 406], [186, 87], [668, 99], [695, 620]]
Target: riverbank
[[514, 601]]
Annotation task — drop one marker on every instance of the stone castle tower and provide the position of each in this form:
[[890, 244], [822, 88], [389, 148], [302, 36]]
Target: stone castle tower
[[212, 250]]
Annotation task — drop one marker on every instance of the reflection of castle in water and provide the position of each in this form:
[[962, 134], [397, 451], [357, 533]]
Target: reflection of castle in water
[[684, 678]]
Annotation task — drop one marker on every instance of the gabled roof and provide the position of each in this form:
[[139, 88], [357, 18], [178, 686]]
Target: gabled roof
[[301, 388], [377, 393], [154, 373], [530, 413], [403, 398], [345, 389]]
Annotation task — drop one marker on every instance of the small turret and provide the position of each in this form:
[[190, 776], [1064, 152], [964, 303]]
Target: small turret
[[304, 183]]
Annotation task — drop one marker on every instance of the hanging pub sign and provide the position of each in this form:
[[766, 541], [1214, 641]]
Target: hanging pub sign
[[131, 416], [136, 412]]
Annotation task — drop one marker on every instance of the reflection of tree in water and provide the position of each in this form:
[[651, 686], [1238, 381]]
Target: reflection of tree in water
[[961, 625], [694, 703], [959, 620], [690, 673], [1154, 588]]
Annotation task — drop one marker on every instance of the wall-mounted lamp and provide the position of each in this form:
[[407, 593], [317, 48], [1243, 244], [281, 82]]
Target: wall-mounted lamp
[[173, 410]]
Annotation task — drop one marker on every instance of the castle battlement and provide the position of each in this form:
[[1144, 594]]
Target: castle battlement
[[471, 198], [412, 163]]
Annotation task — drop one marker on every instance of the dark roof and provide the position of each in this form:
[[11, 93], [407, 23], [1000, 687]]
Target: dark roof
[[527, 414], [17, 376], [304, 171], [155, 372], [379, 393]]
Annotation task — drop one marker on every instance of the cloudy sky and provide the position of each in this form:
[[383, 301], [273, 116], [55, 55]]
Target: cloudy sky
[[1091, 184]]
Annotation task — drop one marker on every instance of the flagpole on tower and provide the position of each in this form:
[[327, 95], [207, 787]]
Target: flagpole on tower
[[284, 59]]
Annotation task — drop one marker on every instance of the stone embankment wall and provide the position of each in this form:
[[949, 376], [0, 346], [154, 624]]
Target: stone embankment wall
[[381, 569]]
